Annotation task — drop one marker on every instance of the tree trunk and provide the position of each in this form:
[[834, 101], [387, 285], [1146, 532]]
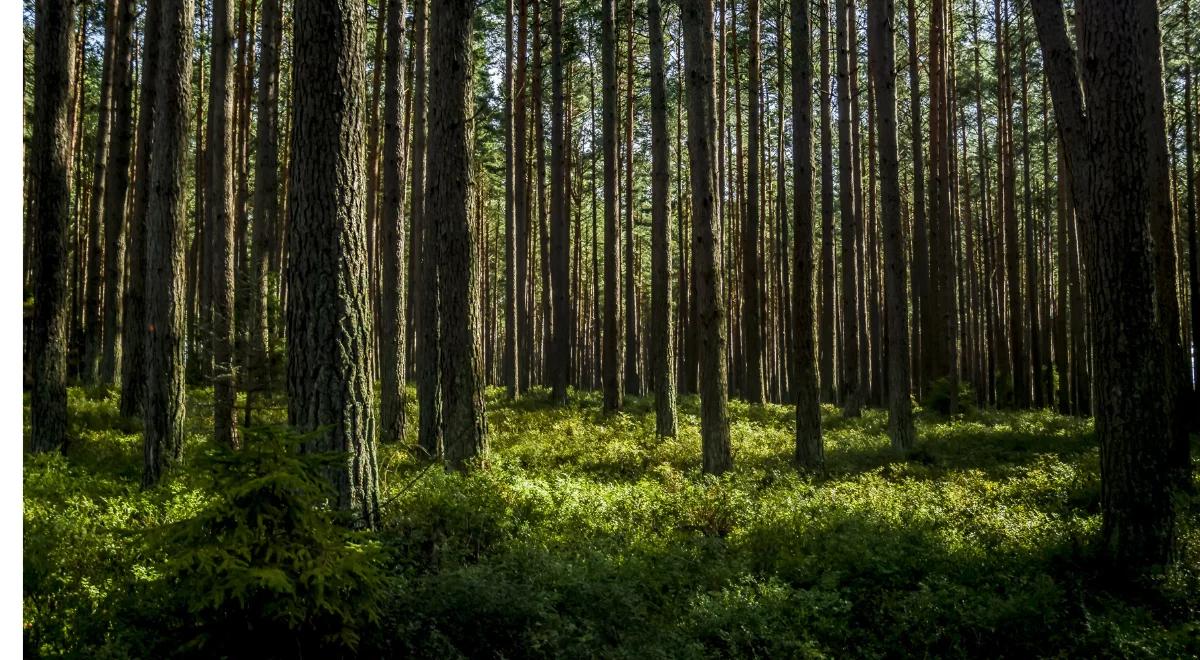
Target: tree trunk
[[428, 353], [810, 447], [328, 318], [881, 40], [751, 292], [133, 341], [662, 334], [1108, 156], [851, 397], [697, 17], [391, 304], [165, 223], [266, 202], [613, 393], [220, 222], [116, 189], [560, 228], [828, 275], [50, 155], [448, 195]]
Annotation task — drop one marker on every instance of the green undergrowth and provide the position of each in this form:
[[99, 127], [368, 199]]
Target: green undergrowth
[[588, 536]]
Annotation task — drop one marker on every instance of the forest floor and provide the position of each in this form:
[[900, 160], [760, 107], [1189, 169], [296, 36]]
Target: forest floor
[[588, 536]]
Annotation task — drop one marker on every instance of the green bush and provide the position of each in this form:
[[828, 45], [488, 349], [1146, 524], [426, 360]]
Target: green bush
[[937, 398], [266, 569]]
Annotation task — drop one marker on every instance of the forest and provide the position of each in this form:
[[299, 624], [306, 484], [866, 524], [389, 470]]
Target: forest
[[610, 328]]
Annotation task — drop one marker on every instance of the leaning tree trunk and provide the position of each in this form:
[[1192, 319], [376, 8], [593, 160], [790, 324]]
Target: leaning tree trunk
[[697, 21], [448, 209], [662, 338], [881, 46], [328, 318], [810, 446], [166, 220], [391, 305], [50, 156]]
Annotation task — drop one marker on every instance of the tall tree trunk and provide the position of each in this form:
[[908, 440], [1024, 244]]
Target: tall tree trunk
[[560, 228], [662, 334], [920, 239], [1108, 146], [810, 446], [428, 353], [751, 291], [133, 341], [524, 325], [448, 187], [328, 318], [697, 17], [511, 202], [881, 45], [828, 275], [633, 346], [50, 154], [391, 304], [116, 190], [165, 222], [220, 221], [613, 393], [851, 396], [266, 203], [89, 368]]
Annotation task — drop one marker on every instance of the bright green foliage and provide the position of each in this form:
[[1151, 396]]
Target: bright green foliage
[[588, 536]]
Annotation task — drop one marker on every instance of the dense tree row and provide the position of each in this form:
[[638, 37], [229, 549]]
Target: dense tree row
[[374, 193]]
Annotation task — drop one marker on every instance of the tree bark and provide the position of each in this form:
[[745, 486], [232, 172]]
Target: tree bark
[[613, 392], [560, 228], [391, 304], [220, 222], [697, 17], [50, 154], [851, 397], [810, 446], [328, 318], [164, 407], [661, 309], [881, 40], [448, 195]]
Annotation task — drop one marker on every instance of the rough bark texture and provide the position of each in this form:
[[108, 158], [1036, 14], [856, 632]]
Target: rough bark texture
[[662, 340], [428, 353], [447, 209], [751, 291], [611, 358], [881, 46], [116, 189], [89, 362], [391, 290], [510, 201], [828, 276], [560, 228], [1108, 152], [810, 446], [697, 18], [166, 218], [328, 318], [133, 340], [266, 200], [920, 240], [50, 154], [851, 397], [219, 209]]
